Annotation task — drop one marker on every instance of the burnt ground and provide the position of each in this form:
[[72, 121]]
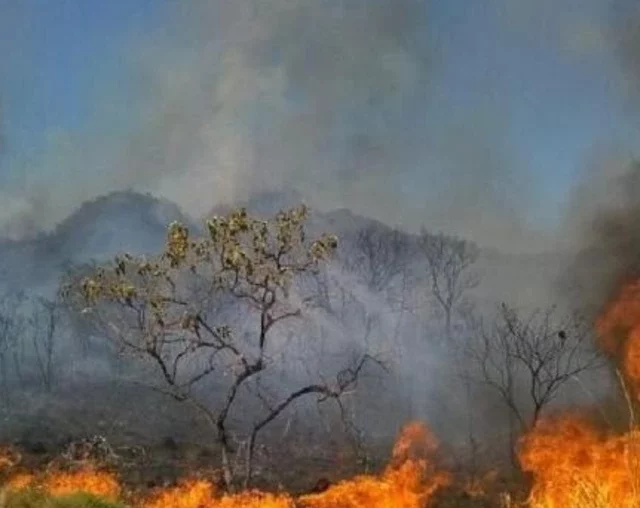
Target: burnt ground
[[150, 441], [294, 465]]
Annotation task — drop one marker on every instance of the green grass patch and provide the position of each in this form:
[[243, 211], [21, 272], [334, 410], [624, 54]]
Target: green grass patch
[[35, 499]]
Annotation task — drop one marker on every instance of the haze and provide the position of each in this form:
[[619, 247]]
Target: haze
[[477, 118]]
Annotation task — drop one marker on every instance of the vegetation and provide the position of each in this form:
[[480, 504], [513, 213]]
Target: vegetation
[[36, 499], [256, 327], [169, 310]]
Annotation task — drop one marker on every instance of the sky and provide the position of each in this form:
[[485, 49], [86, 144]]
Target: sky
[[475, 117]]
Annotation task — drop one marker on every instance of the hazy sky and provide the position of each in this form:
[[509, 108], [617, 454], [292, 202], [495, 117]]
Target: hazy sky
[[480, 116]]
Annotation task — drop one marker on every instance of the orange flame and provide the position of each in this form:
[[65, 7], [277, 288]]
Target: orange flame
[[409, 481], [573, 463], [201, 494], [619, 329], [189, 494], [21, 481], [88, 480], [60, 483]]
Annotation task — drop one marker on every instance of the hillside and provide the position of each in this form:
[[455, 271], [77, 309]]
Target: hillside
[[136, 223], [98, 229]]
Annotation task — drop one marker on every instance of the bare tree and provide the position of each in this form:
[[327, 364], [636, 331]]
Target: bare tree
[[11, 327], [87, 330], [378, 255], [166, 310], [317, 288], [44, 323], [449, 262], [528, 360]]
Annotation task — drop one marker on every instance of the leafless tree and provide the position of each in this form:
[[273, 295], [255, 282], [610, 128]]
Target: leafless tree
[[11, 327], [44, 323], [527, 360], [449, 262], [160, 309], [317, 288], [378, 255], [87, 331]]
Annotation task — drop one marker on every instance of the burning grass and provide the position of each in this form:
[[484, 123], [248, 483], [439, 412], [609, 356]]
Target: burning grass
[[409, 481], [36, 499], [573, 463], [576, 465], [619, 329]]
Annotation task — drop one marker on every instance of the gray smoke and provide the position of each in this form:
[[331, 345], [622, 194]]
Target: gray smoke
[[625, 36], [604, 211], [332, 98], [604, 223], [232, 97]]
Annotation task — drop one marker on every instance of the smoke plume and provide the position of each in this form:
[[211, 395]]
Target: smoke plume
[[332, 98], [603, 214], [341, 100]]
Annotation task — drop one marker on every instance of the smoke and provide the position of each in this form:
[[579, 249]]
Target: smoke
[[232, 97], [601, 223], [336, 99], [341, 100], [625, 36], [482, 184]]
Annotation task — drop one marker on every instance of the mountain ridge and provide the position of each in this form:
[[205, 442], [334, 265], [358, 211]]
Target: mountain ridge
[[135, 222]]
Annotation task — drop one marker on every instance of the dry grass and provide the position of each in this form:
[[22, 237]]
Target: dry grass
[[36, 499]]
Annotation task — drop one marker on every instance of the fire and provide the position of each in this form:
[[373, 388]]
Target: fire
[[572, 462], [88, 480], [20, 481], [60, 483], [202, 494], [619, 329], [189, 494], [409, 481], [575, 465]]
